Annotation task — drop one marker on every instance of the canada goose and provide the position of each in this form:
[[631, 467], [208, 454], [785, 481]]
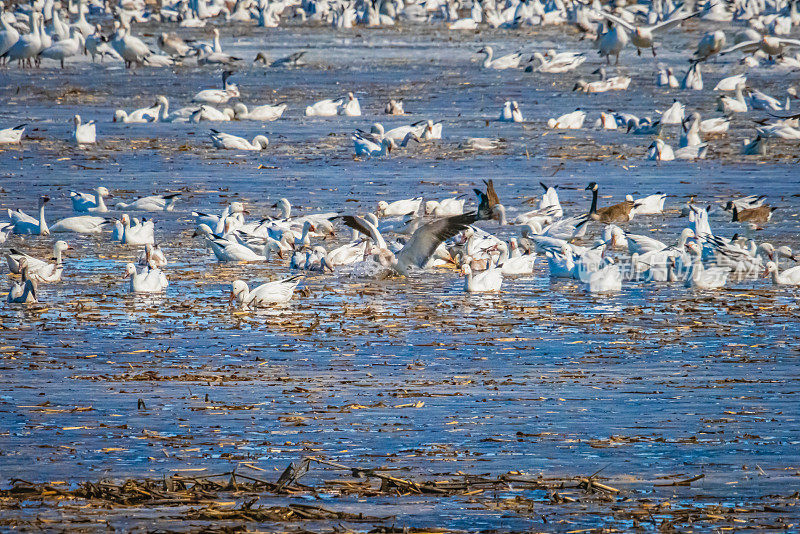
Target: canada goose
[[489, 206], [621, 212], [760, 214]]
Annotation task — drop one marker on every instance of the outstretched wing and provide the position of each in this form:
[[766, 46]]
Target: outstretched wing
[[428, 237]]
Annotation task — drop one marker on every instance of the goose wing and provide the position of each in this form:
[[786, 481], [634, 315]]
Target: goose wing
[[671, 23], [621, 22], [424, 242]]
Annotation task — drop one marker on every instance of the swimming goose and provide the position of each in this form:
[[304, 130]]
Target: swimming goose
[[143, 115], [25, 224], [789, 277], [642, 36], [90, 203], [83, 133], [419, 248], [12, 136], [511, 112], [232, 142], [151, 203], [39, 270], [364, 146], [154, 254], [81, 224], [700, 277], [150, 280], [730, 83], [324, 108], [226, 250], [738, 104], [621, 212], [351, 108], [23, 292], [276, 292], [218, 96], [486, 281], [514, 263], [180, 115], [568, 121], [140, 234], [509, 61], [259, 113], [211, 114], [398, 208], [753, 216]]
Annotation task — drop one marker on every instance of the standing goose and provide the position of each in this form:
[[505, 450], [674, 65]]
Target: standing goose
[[611, 42], [621, 212], [276, 292], [789, 277], [84, 133], [23, 292], [152, 254]]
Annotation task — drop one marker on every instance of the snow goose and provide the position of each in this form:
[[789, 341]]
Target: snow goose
[[693, 79], [660, 151], [691, 152], [394, 107], [568, 121], [65, 48], [614, 83], [789, 277], [348, 254], [730, 83], [142, 115], [90, 203], [232, 142], [759, 100], [23, 292], [509, 61], [511, 112], [399, 208], [419, 248], [642, 36], [487, 281], [40, 270], [607, 279], [737, 104], [96, 45], [292, 60], [351, 108], [611, 42], [211, 114], [12, 136], [151, 203], [710, 44], [154, 254], [556, 65], [28, 45], [446, 207], [180, 115], [276, 292], [779, 130], [84, 133], [25, 224], [81, 224], [8, 36], [140, 234], [132, 49], [364, 146], [149, 280], [770, 45], [265, 113], [650, 205], [666, 78], [218, 96], [700, 277], [674, 114], [324, 108], [514, 263]]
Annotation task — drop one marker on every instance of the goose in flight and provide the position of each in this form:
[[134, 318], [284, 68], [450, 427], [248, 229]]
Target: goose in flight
[[772, 46], [419, 248], [642, 36]]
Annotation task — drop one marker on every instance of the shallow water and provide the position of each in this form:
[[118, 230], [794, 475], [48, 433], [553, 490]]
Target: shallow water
[[410, 374]]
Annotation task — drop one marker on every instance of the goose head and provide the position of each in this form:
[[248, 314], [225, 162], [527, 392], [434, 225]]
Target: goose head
[[130, 270], [591, 187], [239, 291]]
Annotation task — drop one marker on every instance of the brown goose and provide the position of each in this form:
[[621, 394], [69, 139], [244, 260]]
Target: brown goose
[[622, 212], [757, 215]]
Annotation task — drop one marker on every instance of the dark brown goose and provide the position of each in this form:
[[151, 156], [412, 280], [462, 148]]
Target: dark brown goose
[[622, 212], [757, 215]]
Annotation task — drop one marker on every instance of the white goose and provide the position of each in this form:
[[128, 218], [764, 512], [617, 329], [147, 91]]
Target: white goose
[[514, 263], [364, 146], [604, 280], [218, 96], [324, 108], [152, 254], [488, 281], [150, 280], [789, 277], [180, 115], [730, 83], [138, 116], [351, 108], [81, 224], [40, 270], [509, 61], [232, 142], [151, 203], [211, 114], [90, 203], [737, 104], [23, 292], [25, 224], [276, 292], [511, 112], [141, 234], [568, 121], [398, 208], [12, 136], [265, 113], [84, 133], [702, 278]]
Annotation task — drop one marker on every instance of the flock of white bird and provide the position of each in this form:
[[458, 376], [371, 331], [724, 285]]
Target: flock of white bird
[[410, 237], [432, 234]]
